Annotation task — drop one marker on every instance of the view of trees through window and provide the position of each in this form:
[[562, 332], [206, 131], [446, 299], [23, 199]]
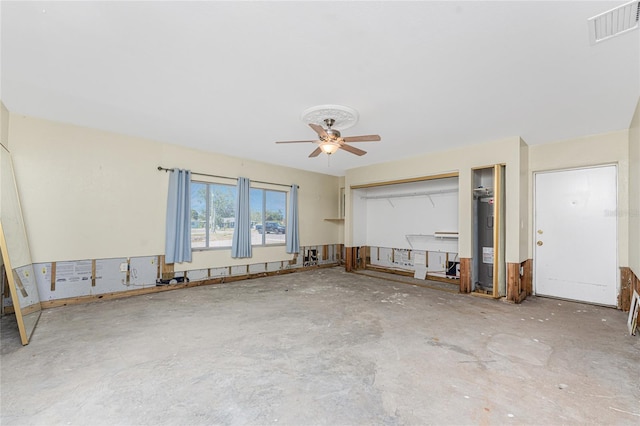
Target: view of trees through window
[[213, 215]]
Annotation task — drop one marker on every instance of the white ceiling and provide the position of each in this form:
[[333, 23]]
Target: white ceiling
[[234, 77]]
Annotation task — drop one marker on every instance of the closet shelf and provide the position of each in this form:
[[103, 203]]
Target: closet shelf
[[444, 234]]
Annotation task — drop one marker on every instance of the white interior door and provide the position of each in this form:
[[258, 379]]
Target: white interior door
[[575, 234]]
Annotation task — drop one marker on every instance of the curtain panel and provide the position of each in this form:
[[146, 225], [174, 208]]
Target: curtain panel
[[178, 227], [293, 235], [241, 244]]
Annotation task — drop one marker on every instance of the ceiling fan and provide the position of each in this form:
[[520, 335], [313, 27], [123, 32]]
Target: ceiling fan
[[330, 140]]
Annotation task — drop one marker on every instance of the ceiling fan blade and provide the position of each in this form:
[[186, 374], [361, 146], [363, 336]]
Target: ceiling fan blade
[[352, 149], [319, 130], [315, 153], [363, 138], [296, 141]]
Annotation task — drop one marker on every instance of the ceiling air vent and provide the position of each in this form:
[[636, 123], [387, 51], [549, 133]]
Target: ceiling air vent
[[614, 22]]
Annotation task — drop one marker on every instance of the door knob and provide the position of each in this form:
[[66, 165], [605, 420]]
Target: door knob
[[539, 243]]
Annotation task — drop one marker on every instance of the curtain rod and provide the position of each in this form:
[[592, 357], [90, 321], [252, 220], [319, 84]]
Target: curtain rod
[[160, 168]]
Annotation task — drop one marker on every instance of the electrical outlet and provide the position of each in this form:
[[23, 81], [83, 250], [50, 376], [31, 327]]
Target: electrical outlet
[[124, 267]]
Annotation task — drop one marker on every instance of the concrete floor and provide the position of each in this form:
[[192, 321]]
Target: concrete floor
[[321, 347]]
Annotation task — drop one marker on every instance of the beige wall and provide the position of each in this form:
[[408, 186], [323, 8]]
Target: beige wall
[[463, 160], [4, 135], [525, 177], [608, 148], [634, 192], [4, 125], [89, 194], [341, 187], [92, 194]]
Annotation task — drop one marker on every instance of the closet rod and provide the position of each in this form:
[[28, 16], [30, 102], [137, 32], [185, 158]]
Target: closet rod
[[160, 168]]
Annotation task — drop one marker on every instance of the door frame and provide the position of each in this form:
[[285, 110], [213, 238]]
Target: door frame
[[533, 222]]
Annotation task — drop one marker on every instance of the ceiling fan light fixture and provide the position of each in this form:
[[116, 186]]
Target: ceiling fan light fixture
[[329, 147]]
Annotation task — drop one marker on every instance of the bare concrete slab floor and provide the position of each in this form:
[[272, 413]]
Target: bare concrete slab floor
[[321, 348]]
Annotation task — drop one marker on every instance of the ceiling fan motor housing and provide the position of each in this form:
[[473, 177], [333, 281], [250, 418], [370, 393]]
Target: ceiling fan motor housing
[[332, 134]]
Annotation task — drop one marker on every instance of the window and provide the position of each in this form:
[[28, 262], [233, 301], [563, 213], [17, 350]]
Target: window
[[213, 210], [268, 217]]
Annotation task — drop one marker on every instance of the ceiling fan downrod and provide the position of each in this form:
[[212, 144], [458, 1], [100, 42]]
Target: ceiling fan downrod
[[331, 133]]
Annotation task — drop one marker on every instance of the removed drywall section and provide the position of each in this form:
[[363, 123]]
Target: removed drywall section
[[436, 264], [81, 281]]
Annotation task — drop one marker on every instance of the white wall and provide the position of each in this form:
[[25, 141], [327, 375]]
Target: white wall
[[608, 148], [90, 194], [634, 192], [389, 220], [463, 160]]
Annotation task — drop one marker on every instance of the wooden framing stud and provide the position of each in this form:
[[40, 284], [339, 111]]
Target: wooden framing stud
[[628, 283], [53, 276], [465, 275]]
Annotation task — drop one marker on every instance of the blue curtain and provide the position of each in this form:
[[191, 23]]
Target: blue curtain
[[178, 230], [293, 234], [241, 245]]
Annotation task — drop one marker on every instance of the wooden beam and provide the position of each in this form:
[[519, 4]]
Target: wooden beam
[[53, 276], [513, 282], [390, 271], [93, 272], [365, 256], [408, 180], [465, 275], [628, 283], [168, 271], [527, 277], [5, 290]]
